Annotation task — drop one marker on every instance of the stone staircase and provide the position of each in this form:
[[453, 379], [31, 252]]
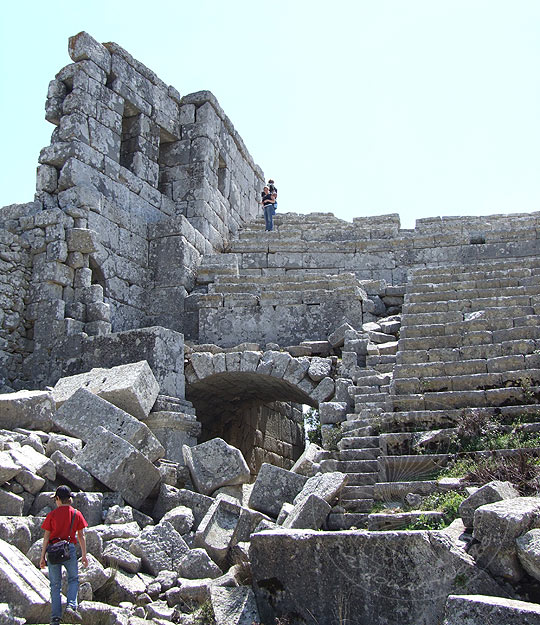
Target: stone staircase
[[469, 339]]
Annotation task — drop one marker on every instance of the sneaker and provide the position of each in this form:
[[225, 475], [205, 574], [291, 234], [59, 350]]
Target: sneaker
[[72, 615], [55, 621]]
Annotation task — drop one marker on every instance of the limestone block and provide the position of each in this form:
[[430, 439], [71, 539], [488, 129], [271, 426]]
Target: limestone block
[[84, 411], [94, 573], [472, 609], [117, 515], [20, 532], [181, 518], [7, 616], [131, 387], [234, 606], [31, 460], [337, 338], [319, 368], [496, 526], [84, 47], [117, 557], [197, 564], [31, 482], [216, 530], [10, 504], [326, 486], [214, 464], [273, 487], [117, 464], [332, 412], [309, 513], [296, 370], [160, 547], [26, 409], [82, 240], [121, 587], [286, 509], [189, 590], [528, 551], [23, 586], [203, 364], [72, 472], [385, 577], [309, 462], [8, 467], [324, 390], [170, 497], [489, 493]]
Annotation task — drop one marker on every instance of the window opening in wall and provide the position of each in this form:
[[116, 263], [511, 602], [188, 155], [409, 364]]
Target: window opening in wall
[[98, 277], [222, 176], [166, 162], [130, 132]]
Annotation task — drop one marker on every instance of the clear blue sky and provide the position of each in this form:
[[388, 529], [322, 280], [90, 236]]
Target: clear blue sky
[[355, 107]]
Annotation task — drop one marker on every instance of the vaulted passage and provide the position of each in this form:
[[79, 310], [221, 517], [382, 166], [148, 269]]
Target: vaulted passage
[[259, 414]]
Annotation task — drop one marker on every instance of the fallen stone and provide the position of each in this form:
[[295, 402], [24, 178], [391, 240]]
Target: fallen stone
[[319, 368], [286, 509], [489, 493], [31, 460], [119, 515], [26, 409], [68, 445], [170, 497], [131, 387], [10, 504], [117, 557], [121, 587], [216, 530], [7, 617], [214, 464], [83, 412], [326, 486], [273, 487], [337, 338], [308, 464], [234, 606], [23, 586], [197, 564], [159, 547], [8, 467], [72, 472], [31, 482], [96, 613], [189, 590], [20, 531], [378, 577], [484, 610], [496, 527], [528, 551], [118, 465], [309, 513], [181, 518], [94, 574]]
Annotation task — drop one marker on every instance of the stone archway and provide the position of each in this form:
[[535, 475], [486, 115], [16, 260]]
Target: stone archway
[[254, 400]]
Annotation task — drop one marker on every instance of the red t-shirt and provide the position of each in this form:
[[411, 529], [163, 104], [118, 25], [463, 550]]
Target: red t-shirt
[[58, 521]]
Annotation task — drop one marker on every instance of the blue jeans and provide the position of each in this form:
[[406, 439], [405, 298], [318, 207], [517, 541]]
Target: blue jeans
[[268, 216], [55, 579]]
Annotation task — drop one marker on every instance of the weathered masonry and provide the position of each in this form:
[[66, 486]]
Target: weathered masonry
[[145, 242]]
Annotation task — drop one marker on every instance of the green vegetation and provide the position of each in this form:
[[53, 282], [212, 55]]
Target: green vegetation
[[332, 437], [312, 424]]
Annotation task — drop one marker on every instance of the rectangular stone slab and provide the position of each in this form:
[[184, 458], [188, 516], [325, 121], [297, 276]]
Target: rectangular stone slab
[[84, 411], [131, 387], [23, 586], [26, 409], [117, 464]]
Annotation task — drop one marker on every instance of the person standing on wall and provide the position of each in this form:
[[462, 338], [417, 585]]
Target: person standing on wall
[[63, 523], [268, 200]]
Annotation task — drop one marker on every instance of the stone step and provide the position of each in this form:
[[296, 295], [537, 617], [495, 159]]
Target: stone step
[[456, 295], [371, 453], [358, 442], [526, 347], [484, 337], [508, 268], [468, 382], [393, 521], [474, 325], [349, 520], [470, 304], [451, 286], [355, 466], [410, 467], [354, 491], [466, 399], [357, 505], [382, 399], [363, 479], [397, 491]]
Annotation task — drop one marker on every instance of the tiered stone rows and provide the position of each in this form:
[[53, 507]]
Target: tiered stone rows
[[469, 339]]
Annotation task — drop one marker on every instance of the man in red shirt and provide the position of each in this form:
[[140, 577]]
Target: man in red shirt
[[57, 526]]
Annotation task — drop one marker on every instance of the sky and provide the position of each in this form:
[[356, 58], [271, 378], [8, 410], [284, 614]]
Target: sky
[[424, 108]]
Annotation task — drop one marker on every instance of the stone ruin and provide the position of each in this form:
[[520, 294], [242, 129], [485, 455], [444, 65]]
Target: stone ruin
[[157, 347]]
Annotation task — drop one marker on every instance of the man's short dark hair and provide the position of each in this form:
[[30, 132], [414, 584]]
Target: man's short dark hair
[[63, 493]]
